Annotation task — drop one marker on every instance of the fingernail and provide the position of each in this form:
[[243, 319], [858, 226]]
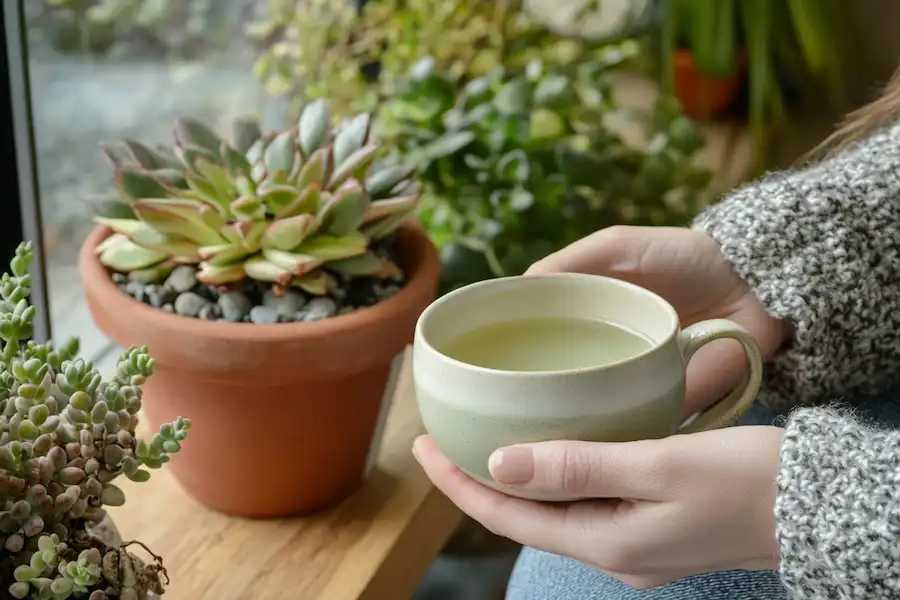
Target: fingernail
[[513, 465], [415, 451]]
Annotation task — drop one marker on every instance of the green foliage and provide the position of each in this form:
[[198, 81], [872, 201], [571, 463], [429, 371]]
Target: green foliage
[[294, 208], [65, 436], [325, 49], [170, 28], [520, 163], [790, 46]]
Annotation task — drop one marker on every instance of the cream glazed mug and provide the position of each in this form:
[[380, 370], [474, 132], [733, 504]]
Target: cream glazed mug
[[470, 411]]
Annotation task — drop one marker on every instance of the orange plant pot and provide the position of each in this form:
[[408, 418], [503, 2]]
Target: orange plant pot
[[702, 96], [283, 415]]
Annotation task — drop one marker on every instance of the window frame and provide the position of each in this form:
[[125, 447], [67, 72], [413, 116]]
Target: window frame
[[20, 205]]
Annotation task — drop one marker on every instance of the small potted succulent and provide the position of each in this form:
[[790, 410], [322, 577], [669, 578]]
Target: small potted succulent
[[277, 273], [65, 436]]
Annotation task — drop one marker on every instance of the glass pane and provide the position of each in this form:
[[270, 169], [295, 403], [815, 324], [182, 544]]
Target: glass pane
[[111, 69]]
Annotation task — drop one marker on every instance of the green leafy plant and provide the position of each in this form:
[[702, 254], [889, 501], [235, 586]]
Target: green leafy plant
[[356, 59], [171, 28], [517, 165], [788, 45], [65, 436], [294, 208]]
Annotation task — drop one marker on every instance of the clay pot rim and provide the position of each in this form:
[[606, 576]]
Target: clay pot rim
[[418, 282]]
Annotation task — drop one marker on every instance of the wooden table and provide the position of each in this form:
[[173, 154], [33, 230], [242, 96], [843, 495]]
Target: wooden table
[[377, 545]]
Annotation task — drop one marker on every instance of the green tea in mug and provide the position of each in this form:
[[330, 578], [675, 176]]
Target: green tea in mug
[[546, 344]]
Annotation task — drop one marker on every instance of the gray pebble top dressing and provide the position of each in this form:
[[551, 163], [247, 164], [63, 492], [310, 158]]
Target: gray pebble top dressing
[[258, 302]]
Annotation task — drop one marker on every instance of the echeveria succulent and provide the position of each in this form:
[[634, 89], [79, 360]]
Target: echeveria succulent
[[291, 208], [65, 436]]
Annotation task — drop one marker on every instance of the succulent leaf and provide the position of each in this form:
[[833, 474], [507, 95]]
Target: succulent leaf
[[184, 218], [306, 202], [245, 233], [248, 208], [223, 255], [189, 132], [146, 157], [201, 190], [260, 269], [154, 273], [139, 183], [255, 152], [236, 163], [190, 154], [354, 165], [346, 210], [287, 234], [279, 155], [317, 170], [218, 177], [381, 182], [277, 196], [122, 254], [118, 155], [377, 230], [313, 126], [352, 136], [365, 265], [328, 248], [211, 274], [144, 235], [315, 282], [382, 208], [245, 132], [295, 264]]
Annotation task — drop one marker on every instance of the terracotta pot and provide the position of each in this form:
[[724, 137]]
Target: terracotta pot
[[702, 96], [283, 415]]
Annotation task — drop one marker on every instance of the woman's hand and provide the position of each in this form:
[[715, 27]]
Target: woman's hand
[[694, 503], [686, 268]]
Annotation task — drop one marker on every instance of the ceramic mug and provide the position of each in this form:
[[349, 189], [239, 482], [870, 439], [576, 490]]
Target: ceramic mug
[[471, 411]]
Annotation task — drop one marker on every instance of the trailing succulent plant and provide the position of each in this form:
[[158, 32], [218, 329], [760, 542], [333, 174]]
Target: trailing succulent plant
[[519, 163], [65, 436], [294, 209]]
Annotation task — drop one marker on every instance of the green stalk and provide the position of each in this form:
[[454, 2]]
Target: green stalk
[[763, 91]]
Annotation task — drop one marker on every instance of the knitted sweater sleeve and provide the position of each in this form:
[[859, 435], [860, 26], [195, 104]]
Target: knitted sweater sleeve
[[838, 508], [820, 247]]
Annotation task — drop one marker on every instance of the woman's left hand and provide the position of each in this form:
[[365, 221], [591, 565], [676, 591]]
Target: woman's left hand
[[662, 509]]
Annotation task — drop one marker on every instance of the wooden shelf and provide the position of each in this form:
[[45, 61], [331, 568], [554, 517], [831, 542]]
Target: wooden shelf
[[377, 545]]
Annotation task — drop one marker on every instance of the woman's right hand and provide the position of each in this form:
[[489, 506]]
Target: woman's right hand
[[686, 268]]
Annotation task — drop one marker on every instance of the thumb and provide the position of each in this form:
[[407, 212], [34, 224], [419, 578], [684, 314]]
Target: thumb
[[585, 469]]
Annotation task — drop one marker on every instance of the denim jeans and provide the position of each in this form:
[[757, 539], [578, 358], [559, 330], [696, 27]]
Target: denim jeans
[[543, 576]]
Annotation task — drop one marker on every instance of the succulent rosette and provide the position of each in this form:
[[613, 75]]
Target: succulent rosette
[[295, 208]]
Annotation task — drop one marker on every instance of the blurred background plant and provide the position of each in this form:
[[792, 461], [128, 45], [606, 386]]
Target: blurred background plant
[[180, 29], [786, 48], [358, 57], [519, 164]]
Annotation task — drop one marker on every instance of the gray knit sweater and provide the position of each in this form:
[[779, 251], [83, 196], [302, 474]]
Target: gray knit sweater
[[821, 249]]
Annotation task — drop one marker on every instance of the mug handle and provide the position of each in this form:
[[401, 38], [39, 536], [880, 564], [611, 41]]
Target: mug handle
[[728, 410]]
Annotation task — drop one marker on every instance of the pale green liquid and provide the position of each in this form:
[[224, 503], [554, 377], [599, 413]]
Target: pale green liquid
[[545, 344]]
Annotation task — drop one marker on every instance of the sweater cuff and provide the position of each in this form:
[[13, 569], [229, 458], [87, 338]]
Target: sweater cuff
[[819, 257], [837, 509]]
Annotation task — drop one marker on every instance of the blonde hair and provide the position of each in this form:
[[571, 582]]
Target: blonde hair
[[862, 122]]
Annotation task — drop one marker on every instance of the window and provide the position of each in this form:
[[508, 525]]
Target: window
[[85, 71]]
